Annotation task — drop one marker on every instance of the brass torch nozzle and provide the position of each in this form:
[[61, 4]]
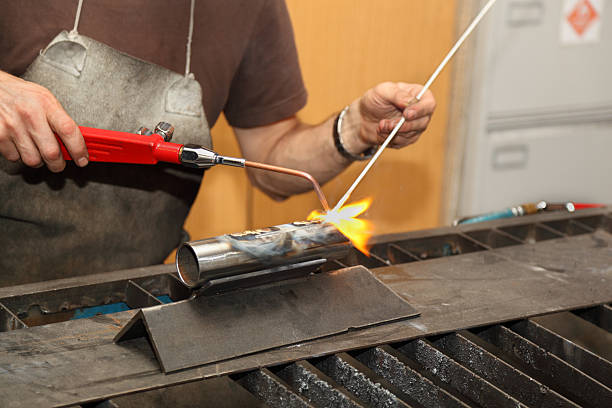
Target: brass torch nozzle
[[291, 172]]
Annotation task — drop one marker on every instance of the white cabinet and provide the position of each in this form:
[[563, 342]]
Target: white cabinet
[[540, 110]]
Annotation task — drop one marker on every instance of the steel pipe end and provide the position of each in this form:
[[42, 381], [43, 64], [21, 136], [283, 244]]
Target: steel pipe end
[[187, 265]]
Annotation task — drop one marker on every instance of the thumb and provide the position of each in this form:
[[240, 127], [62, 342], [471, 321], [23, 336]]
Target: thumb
[[400, 98]]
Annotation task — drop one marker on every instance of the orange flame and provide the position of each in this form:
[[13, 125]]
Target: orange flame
[[358, 231]]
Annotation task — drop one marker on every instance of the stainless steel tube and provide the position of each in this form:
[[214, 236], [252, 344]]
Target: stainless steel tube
[[200, 261]]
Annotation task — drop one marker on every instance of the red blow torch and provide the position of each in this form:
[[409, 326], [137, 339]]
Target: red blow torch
[[151, 147]]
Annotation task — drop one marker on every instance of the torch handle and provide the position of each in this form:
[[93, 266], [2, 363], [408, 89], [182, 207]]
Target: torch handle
[[112, 146]]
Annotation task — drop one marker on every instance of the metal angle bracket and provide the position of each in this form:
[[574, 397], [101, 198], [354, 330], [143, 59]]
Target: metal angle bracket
[[208, 329]]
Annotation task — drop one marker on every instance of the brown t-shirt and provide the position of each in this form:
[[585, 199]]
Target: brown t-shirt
[[112, 216], [243, 52]]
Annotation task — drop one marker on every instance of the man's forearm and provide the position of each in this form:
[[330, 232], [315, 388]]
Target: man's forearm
[[305, 147]]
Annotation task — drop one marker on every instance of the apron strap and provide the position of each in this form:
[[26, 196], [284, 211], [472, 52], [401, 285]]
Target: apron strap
[[188, 73], [189, 38], [77, 18]]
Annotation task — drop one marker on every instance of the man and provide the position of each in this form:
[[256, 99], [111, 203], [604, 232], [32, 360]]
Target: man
[[59, 220]]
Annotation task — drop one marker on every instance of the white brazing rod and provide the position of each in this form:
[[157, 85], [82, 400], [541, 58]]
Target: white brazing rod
[[397, 127]]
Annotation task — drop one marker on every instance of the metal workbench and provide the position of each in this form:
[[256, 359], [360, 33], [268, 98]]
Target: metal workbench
[[512, 312]]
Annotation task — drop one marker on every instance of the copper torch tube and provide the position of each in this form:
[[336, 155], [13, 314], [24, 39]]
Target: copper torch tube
[[292, 172]]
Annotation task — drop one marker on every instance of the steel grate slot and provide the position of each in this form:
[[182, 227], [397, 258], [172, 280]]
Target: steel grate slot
[[165, 285], [65, 304], [548, 368], [9, 321], [219, 392], [596, 222], [272, 390], [71, 303], [531, 233], [382, 260], [355, 258], [456, 376], [492, 238], [316, 387], [362, 382], [137, 297], [439, 246], [402, 255], [101, 404], [393, 254], [568, 227], [599, 315], [579, 331], [606, 223], [587, 362], [396, 369], [468, 350]]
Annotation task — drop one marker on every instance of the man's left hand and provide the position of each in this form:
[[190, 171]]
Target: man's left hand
[[381, 108]]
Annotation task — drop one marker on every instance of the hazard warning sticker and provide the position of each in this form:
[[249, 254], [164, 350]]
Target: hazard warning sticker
[[581, 21]]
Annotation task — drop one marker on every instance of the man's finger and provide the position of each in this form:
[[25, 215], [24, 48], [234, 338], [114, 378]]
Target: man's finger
[[386, 126], [406, 95], [9, 151], [390, 93], [69, 133], [424, 107], [404, 140], [404, 99], [47, 144], [27, 149], [413, 89], [418, 125]]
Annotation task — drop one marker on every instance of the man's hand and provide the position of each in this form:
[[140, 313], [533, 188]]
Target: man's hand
[[29, 115], [380, 109]]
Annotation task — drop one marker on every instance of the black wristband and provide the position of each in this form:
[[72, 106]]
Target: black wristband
[[340, 146]]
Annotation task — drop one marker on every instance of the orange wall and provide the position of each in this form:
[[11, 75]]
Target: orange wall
[[345, 47]]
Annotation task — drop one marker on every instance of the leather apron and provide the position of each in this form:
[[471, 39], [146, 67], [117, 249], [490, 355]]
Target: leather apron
[[105, 216]]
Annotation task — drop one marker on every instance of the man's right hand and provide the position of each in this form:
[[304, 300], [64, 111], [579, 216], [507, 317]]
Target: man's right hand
[[29, 115]]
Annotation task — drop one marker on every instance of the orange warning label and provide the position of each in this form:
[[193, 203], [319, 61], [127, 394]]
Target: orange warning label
[[582, 16]]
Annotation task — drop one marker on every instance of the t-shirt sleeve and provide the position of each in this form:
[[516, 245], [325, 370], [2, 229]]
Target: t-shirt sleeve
[[268, 84]]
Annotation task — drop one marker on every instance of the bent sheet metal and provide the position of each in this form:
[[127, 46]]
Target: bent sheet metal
[[208, 329]]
